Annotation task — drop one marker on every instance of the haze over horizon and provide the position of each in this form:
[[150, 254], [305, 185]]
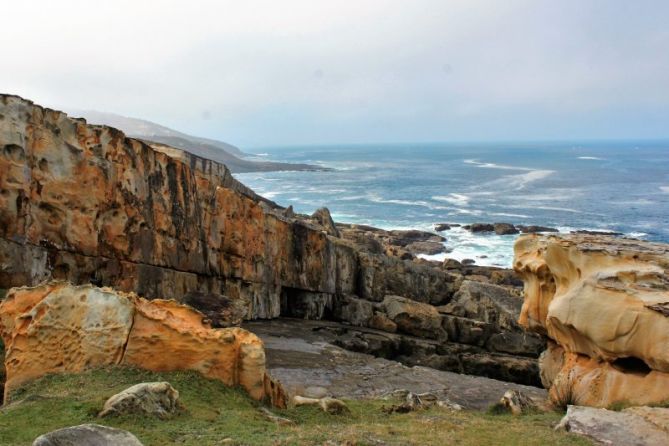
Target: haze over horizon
[[263, 73]]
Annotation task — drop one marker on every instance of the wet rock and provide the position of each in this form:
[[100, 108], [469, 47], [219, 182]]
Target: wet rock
[[87, 435], [531, 229], [505, 228], [468, 262], [480, 227], [158, 399], [442, 227], [605, 233]]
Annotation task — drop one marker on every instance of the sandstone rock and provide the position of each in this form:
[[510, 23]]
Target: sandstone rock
[[220, 310], [626, 428], [380, 321], [87, 435], [595, 297], [413, 317], [56, 327], [159, 399], [505, 228], [518, 403]]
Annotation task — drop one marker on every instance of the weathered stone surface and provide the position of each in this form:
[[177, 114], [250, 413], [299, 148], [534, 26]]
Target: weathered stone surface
[[412, 317], [599, 298], [158, 399], [518, 403], [56, 327], [322, 217], [355, 311], [631, 427], [87, 435]]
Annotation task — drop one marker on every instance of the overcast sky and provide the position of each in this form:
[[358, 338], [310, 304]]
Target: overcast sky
[[262, 73]]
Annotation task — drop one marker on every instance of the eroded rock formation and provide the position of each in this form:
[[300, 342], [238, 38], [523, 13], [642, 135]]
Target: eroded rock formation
[[57, 328], [86, 204], [604, 302]]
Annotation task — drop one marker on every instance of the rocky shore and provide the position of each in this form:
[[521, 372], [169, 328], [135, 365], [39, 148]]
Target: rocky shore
[[96, 229]]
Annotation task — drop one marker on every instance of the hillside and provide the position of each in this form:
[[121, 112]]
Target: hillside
[[211, 149]]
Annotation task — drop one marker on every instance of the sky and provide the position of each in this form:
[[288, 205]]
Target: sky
[[271, 73]]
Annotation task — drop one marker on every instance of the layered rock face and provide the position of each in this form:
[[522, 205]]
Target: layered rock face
[[604, 303], [86, 204], [57, 327]]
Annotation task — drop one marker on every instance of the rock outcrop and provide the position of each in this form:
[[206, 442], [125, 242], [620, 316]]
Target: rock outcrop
[[86, 204], [604, 303], [57, 328], [88, 435], [638, 426], [157, 399]]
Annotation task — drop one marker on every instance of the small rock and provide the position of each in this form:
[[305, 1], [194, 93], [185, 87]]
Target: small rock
[[87, 435], [442, 227], [534, 229], [329, 405], [275, 418], [468, 261], [159, 399], [480, 227], [517, 402]]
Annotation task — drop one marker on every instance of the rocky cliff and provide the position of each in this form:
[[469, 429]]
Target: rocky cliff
[[86, 204], [604, 303]]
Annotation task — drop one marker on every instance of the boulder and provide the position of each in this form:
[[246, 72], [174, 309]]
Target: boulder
[[413, 317], [505, 228], [429, 248], [87, 435], [323, 217], [382, 322], [480, 227], [531, 229], [637, 426], [59, 328], [599, 299], [221, 311], [158, 399], [353, 310], [518, 403], [442, 227]]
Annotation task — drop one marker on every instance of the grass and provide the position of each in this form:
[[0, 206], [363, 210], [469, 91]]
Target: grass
[[216, 414]]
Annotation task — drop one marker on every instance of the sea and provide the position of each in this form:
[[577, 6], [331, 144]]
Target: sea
[[620, 186]]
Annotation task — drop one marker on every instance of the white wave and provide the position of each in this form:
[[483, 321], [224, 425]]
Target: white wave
[[456, 199], [504, 214], [637, 234], [493, 165], [590, 158], [665, 189]]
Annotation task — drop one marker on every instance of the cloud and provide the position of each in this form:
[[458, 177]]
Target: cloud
[[267, 72]]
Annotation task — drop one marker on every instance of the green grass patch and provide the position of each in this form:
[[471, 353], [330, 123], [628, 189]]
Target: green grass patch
[[215, 413]]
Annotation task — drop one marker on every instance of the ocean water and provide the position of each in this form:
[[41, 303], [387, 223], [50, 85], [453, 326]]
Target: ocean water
[[620, 186]]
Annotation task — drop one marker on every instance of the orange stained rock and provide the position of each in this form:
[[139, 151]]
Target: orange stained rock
[[604, 301], [57, 327]]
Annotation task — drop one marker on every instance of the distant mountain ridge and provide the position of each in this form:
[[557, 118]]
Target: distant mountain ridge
[[212, 149]]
